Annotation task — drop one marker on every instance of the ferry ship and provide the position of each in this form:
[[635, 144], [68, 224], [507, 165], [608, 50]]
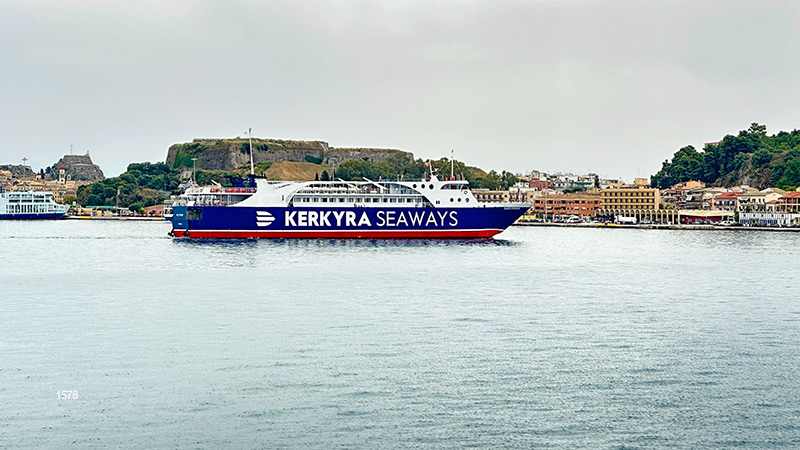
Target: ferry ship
[[430, 208], [30, 206]]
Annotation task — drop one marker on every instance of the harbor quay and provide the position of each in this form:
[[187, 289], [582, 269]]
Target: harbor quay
[[567, 199], [603, 225]]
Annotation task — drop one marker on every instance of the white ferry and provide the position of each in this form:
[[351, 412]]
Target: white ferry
[[30, 205], [430, 208]]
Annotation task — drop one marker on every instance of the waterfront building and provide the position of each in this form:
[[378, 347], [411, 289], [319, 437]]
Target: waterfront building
[[699, 216], [757, 201], [154, 211], [702, 198], [635, 196], [638, 200], [673, 197], [678, 194], [789, 203], [726, 201], [565, 205], [769, 219]]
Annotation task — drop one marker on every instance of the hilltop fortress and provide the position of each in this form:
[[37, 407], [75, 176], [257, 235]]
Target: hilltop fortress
[[231, 154], [77, 168]]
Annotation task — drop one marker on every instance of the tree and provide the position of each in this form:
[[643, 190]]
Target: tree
[[739, 162], [94, 200], [751, 154], [761, 158], [70, 199], [357, 169], [137, 207], [325, 176]]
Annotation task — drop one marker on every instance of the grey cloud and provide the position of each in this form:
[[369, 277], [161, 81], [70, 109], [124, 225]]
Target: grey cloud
[[610, 86]]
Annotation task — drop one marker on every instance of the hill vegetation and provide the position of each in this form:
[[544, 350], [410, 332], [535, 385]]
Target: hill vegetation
[[142, 185], [751, 157]]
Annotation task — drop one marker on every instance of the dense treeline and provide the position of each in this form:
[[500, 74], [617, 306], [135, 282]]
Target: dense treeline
[[400, 166], [751, 157], [142, 185]]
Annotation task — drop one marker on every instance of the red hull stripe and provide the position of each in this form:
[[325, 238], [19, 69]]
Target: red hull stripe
[[339, 234]]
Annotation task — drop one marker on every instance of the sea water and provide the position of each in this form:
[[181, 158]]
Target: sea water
[[113, 335]]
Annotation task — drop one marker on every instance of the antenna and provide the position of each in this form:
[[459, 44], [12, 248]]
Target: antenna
[[452, 176], [250, 136], [70, 148]]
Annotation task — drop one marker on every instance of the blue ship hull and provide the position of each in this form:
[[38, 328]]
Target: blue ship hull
[[310, 222], [50, 216]]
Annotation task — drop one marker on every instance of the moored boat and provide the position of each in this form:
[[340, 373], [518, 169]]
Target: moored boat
[[30, 205]]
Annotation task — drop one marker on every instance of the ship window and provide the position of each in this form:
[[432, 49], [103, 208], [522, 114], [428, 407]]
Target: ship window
[[324, 200], [341, 199], [414, 186], [431, 186], [459, 199], [194, 214], [451, 200]]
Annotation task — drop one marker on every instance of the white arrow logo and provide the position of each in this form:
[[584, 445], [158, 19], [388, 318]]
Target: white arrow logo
[[264, 218]]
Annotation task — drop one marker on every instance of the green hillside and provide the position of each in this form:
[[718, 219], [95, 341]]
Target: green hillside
[[752, 157], [143, 184]]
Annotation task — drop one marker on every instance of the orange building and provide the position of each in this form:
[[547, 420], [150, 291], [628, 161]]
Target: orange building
[[726, 201], [565, 205], [539, 185], [789, 203]]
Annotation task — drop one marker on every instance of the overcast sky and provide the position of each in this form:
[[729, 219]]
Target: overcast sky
[[613, 87]]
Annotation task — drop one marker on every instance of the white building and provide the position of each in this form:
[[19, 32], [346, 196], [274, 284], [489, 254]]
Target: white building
[[769, 219]]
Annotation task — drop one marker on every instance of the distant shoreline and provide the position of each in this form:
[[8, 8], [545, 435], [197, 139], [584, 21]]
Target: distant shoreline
[[655, 227], [130, 218]]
